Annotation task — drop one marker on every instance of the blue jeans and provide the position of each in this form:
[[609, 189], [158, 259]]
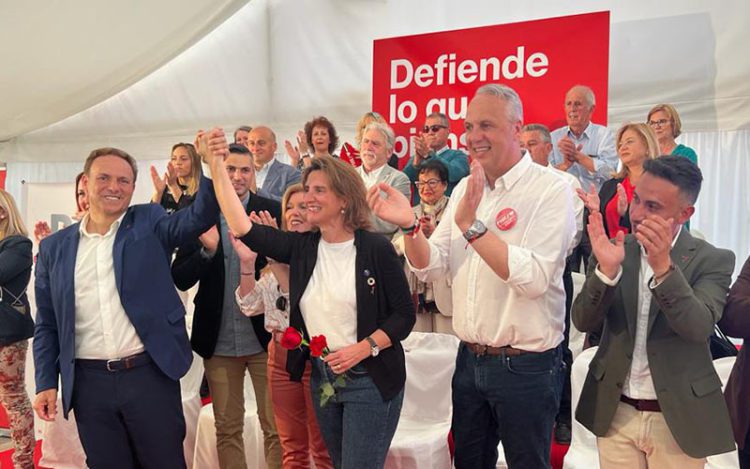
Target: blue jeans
[[513, 399], [356, 424]]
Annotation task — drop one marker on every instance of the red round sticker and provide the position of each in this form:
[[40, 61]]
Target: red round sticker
[[506, 219]]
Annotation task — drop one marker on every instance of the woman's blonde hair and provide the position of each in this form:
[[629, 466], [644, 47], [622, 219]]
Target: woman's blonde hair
[[11, 224], [364, 121], [347, 185], [195, 166], [674, 116], [648, 138], [290, 191]]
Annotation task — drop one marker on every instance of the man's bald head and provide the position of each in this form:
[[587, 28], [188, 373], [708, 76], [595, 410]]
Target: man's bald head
[[262, 144]]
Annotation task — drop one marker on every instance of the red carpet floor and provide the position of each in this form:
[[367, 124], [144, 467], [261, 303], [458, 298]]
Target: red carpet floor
[[558, 453]]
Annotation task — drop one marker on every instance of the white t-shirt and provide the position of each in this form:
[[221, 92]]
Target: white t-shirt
[[329, 304]]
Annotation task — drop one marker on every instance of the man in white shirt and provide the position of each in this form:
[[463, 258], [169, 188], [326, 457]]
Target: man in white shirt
[[376, 147], [583, 149], [535, 139], [503, 242], [109, 323], [651, 394]]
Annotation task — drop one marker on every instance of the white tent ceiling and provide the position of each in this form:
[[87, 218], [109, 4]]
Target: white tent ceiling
[[282, 61], [61, 57]]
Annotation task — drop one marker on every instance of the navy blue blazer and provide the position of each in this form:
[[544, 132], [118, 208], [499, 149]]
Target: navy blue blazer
[[143, 248]]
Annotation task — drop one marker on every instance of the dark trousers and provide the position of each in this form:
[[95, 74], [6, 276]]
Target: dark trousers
[[130, 418], [513, 399], [564, 414], [745, 453], [582, 252]]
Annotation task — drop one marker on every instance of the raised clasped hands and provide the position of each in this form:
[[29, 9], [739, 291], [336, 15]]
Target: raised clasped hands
[[212, 145], [609, 255], [393, 208], [656, 235]]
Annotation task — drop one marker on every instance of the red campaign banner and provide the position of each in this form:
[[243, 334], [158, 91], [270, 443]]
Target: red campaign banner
[[414, 76]]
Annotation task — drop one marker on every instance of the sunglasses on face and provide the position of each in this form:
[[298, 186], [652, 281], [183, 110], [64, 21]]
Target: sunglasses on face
[[433, 128]]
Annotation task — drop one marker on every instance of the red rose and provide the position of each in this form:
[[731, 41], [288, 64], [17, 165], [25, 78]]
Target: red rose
[[291, 338], [318, 346]]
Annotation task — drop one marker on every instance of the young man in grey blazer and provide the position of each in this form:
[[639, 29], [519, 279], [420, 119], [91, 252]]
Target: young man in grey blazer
[[652, 395]]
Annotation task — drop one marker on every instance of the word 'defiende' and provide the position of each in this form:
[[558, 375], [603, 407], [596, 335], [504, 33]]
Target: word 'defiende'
[[448, 71]]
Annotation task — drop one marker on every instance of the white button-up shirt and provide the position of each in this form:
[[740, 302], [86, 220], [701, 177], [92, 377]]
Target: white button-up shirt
[[103, 329], [638, 383], [526, 311], [260, 174]]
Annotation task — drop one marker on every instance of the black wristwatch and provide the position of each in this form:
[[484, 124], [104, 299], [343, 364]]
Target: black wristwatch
[[475, 231]]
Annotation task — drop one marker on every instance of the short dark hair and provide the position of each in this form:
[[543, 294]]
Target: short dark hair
[[110, 151], [322, 121], [678, 170], [241, 149], [435, 166]]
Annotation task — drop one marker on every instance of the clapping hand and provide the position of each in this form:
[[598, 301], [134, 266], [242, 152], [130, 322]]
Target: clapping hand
[[609, 255], [622, 200], [466, 210], [293, 152], [41, 231], [264, 217], [393, 208], [160, 183], [656, 235], [590, 199]]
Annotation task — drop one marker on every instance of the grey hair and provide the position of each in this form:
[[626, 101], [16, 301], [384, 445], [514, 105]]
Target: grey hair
[[507, 94], [386, 130], [588, 93], [541, 128], [439, 115]]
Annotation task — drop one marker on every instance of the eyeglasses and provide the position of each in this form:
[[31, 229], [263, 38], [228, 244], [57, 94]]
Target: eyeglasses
[[433, 128], [660, 122], [432, 183]]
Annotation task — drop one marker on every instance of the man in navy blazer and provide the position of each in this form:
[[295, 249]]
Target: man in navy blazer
[[272, 176], [109, 322]]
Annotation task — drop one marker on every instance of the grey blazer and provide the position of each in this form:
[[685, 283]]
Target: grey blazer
[[684, 308], [279, 177], [398, 181]]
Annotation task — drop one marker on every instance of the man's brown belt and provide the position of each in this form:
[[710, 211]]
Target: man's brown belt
[[644, 405], [480, 350]]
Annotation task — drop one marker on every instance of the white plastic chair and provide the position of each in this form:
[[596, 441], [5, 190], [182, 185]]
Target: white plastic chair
[[421, 439], [206, 456]]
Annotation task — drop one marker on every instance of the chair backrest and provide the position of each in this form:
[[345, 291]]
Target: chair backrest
[[430, 362]]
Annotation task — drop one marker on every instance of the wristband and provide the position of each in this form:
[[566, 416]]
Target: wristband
[[247, 273], [412, 230]]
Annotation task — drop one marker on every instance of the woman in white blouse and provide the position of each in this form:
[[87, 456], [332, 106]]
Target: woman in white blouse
[[292, 401]]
